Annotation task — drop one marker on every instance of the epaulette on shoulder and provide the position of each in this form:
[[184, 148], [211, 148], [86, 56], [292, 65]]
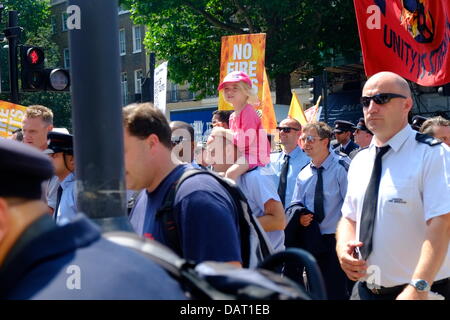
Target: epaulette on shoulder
[[344, 164], [361, 149], [353, 154], [429, 140], [340, 153]]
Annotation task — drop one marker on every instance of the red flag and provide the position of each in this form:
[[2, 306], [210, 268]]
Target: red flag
[[408, 37]]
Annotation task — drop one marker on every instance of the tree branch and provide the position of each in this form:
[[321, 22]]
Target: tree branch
[[214, 21], [243, 12]]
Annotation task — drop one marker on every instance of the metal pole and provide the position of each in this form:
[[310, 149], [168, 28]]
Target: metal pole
[[152, 77], [325, 95], [148, 84], [97, 113], [12, 34]]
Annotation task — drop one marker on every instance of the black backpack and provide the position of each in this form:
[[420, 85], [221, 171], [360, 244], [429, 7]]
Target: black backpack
[[255, 246], [223, 281]]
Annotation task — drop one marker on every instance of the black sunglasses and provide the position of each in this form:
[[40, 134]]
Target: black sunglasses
[[287, 129], [380, 98]]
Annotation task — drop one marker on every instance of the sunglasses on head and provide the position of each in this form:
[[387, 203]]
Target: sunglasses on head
[[380, 98], [287, 129]]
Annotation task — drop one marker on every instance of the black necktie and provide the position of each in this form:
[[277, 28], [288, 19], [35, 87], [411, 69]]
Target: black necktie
[[319, 213], [58, 200], [369, 209], [283, 179]]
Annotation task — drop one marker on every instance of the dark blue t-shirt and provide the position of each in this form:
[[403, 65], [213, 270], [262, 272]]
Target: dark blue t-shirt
[[207, 217]]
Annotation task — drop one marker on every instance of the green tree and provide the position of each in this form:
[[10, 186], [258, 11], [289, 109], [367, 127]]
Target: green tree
[[34, 18], [301, 35]]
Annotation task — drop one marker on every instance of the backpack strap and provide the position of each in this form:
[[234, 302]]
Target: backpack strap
[[166, 214], [167, 217], [245, 216]]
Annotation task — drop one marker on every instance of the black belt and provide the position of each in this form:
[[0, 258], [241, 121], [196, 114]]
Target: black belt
[[391, 290]]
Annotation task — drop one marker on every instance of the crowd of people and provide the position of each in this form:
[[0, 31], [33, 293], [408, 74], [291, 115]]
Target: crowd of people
[[370, 202]]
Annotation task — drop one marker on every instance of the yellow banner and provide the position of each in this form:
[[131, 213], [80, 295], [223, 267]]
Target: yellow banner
[[296, 110], [11, 116], [245, 52], [268, 119]]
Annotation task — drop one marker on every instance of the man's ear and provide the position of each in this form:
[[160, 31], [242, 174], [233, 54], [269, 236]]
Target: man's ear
[[152, 140], [408, 104], [4, 219], [49, 127], [71, 162]]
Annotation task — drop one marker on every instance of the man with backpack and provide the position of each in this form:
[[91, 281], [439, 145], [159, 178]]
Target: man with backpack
[[203, 220], [256, 184]]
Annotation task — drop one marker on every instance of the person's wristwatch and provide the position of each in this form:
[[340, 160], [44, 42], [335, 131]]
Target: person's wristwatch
[[420, 285]]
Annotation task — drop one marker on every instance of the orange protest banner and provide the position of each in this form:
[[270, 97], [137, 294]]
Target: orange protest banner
[[245, 53], [268, 119], [10, 117]]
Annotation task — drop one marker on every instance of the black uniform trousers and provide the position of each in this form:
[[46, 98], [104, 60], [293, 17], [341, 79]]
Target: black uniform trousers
[[323, 248]]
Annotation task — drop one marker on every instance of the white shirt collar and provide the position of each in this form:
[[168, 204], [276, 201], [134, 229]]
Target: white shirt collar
[[397, 140]]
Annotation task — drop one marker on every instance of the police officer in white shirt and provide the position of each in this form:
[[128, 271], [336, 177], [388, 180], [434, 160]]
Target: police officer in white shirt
[[394, 234], [60, 149], [288, 163]]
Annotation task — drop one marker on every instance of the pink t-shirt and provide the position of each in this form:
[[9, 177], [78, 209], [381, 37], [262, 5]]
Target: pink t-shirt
[[250, 137]]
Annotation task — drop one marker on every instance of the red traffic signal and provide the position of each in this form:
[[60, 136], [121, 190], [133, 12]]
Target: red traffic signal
[[35, 56], [34, 75], [32, 67]]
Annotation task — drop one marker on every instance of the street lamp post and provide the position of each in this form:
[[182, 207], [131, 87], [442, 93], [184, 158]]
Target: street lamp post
[[97, 113]]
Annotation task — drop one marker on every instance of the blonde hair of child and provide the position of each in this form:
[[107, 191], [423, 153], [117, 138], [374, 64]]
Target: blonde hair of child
[[252, 97]]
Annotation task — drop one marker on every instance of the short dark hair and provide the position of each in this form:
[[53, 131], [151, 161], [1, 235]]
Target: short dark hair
[[183, 125], [223, 115], [323, 130], [142, 120], [19, 134]]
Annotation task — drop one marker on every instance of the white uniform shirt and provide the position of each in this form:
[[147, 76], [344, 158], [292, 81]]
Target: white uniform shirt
[[298, 160], [414, 187], [50, 191], [258, 188], [67, 209]]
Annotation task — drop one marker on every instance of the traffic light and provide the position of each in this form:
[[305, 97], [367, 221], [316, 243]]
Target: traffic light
[[316, 84], [34, 75], [444, 90], [32, 68]]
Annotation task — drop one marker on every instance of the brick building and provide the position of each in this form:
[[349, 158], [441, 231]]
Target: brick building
[[134, 60]]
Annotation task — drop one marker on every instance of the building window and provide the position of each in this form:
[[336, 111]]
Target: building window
[[138, 81], [122, 42], [124, 88], [137, 39], [66, 53], [174, 93], [64, 17], [53, 23]]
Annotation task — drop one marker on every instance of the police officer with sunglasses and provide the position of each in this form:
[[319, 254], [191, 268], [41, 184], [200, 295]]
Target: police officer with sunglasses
[[287, 164], [393, 237]]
